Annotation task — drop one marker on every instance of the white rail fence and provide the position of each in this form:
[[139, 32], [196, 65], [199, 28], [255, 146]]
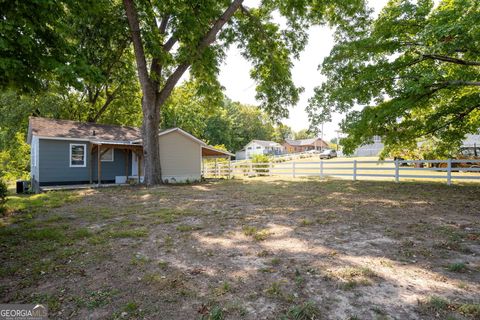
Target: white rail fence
[[284, 157], [447, 170]]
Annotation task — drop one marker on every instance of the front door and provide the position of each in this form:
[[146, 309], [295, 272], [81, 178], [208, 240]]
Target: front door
[[134, 164]]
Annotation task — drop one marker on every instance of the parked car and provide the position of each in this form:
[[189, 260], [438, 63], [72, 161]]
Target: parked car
[[328, 154]]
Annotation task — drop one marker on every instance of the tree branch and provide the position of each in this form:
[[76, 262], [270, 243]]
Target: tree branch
[[455, 83], [208, 39], [458, 117], [170, 43], [108, 101], [163, 24], [137, 44], [451, 60]]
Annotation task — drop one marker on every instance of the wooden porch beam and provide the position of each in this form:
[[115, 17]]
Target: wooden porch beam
[[99, 165], [90, 170], [126, 151], [140, 159]]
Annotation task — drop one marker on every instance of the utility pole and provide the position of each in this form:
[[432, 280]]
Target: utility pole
[[338, 138], [321, 145]]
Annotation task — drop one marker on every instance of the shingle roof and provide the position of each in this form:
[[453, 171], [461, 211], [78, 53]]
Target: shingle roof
[[303, 142], [267, 143], [55, 128]]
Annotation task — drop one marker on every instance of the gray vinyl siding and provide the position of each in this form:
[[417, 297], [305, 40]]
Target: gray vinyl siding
[[54, 163], [112, 169]]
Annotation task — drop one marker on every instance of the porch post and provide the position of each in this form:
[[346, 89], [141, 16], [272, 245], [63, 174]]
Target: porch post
[[140, 158], [126, 164], [90, 170], [229, 168], [99, 165]]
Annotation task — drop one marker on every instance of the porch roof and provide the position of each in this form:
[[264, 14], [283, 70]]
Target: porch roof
[[209, 151]]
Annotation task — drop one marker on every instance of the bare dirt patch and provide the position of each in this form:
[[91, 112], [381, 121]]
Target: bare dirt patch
[[251, 249]]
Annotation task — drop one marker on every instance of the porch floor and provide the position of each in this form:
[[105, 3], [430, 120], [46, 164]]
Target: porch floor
[[82, 186]]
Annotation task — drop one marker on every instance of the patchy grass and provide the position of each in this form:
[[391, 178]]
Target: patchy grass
[[457, 267], [187, 228], [132, 233], [305, 311], [256, 234], [35, 203], [306, 249]]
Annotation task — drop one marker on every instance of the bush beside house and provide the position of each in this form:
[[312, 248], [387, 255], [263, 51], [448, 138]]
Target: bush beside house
[[3, 196]]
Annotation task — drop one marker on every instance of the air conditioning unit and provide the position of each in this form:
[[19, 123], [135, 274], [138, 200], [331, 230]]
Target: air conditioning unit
[[22, 186]]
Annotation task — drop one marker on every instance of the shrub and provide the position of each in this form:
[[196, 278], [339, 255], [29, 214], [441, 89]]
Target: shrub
[[262, 169], [3, 195]]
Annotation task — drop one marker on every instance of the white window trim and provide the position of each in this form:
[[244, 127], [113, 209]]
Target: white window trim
[[108, 160], [84, 156]]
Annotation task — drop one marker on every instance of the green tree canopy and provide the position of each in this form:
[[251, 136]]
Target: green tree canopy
[[415, 71], [219, 122], [304, 134]]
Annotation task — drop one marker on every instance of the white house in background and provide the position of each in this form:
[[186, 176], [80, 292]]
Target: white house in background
[[370, 150], [255, 147], [471, 140], [374, 149]]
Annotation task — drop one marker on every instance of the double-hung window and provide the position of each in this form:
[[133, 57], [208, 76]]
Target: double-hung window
[[78, 155]]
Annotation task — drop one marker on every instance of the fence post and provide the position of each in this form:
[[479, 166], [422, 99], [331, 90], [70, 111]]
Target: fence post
[[354, 170], [250, 172], [397, 171], [216, 169], [229, 169], [270, 166], [449, 172], [321, 168], [293, 169]]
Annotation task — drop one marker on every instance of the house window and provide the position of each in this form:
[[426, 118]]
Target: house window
[[107, 156], [78, 155], [249, 148], [259, 147]]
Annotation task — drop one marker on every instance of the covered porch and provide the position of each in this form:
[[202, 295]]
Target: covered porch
[[133, 161], [210, 162]]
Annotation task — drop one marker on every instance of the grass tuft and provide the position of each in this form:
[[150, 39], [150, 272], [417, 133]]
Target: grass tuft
[[133, 233], [457, 267], [305, 311]]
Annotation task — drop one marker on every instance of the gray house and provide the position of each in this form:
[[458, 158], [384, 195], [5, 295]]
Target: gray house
[[68, 152]]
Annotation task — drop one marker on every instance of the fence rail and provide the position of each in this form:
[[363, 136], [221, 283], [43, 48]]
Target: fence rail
[[284, 157], [448, 170]]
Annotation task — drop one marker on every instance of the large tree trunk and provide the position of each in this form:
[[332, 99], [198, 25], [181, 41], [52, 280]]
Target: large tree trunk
[[151, 148], [153, 97]]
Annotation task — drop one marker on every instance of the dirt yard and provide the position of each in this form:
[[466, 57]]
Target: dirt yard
[[247, 249]]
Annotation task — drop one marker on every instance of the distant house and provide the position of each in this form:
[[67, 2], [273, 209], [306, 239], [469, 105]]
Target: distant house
[[471, 140], [255, 147], [374, 149], [294, 146], [69, 152], [371, 149]]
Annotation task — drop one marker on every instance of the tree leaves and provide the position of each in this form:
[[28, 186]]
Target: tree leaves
[[413, 72]]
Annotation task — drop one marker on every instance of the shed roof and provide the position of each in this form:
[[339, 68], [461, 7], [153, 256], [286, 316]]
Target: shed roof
[[303, 142], [266, 143], [56, 128]]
